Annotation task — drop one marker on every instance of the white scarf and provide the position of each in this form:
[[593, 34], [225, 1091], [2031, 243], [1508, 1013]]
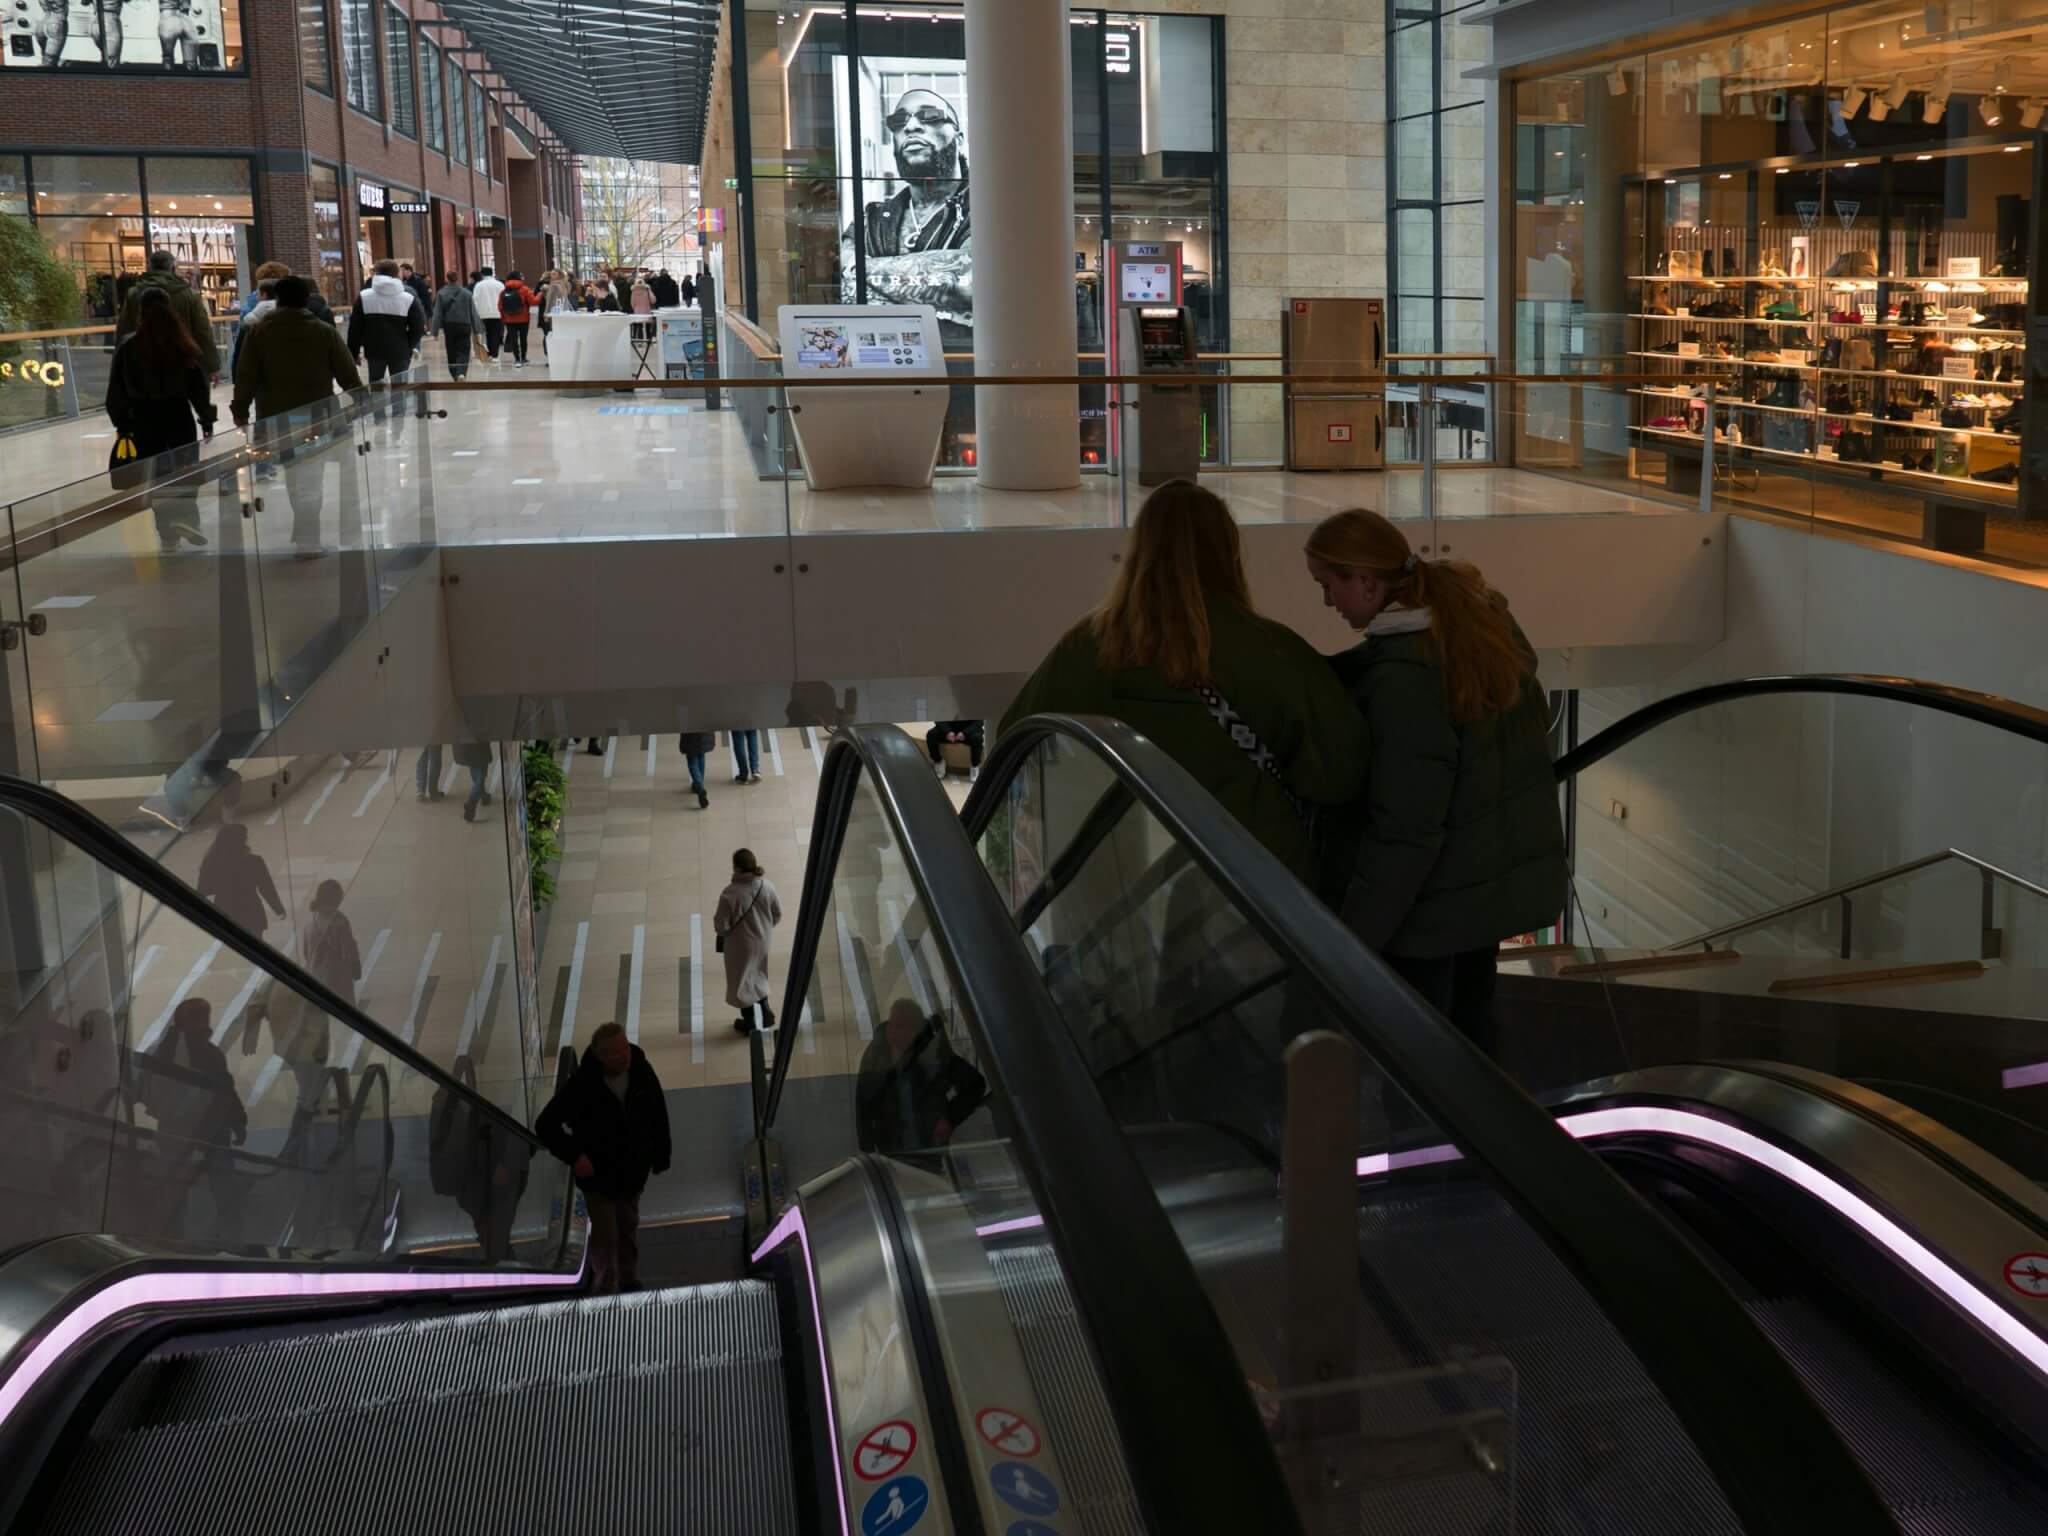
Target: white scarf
[[1398, 621]]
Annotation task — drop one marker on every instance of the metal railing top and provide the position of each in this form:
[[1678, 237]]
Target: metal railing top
[[963, 380]]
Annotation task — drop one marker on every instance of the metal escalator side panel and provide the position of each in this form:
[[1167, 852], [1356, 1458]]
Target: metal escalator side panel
[[878, 1421]]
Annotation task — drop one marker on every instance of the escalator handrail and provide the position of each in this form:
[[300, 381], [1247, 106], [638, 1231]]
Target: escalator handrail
[[1775, 1454], [101, 842], [1170, 1375], [1964, 703]]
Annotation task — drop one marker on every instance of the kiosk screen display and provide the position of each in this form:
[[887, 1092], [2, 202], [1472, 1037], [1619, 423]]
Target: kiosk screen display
[[1146, 282], [829, 342]]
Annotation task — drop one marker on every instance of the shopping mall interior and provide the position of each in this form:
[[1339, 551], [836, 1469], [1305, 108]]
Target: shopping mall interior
[[684, 878]]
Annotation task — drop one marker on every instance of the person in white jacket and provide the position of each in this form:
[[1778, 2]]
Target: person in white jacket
[[486, 291], [748, 910]]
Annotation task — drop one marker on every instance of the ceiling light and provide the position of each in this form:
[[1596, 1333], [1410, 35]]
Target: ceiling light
[[1880, 109], [1850, 165], [2030, 113], [1923, 157], [174, 207], [1935, 108], [1617, 82], [1853, 99], [1784, 170], [1991, 109], [2013, 149], [1727, 175], [1896, 96]]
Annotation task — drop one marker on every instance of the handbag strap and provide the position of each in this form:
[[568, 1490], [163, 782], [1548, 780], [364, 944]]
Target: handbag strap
[[759, 886], [1247, 740]]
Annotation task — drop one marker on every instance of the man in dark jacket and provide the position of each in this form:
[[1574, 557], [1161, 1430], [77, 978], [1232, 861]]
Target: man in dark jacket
[[185, 304], [386, 326], [609, 1123], [291, 362], [666, 294], [418, 284]]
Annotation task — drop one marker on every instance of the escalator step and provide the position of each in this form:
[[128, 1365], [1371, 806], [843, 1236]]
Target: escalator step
[[661, 1412], [490, 1350]]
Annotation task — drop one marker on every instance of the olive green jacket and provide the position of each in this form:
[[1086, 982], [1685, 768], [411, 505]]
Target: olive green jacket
[[1457, 841], [185, 304], [1270, 676], [290, 360]]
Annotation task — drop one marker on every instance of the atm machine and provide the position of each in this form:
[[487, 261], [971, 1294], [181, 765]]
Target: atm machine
[[1162, 435], [1334, 425]]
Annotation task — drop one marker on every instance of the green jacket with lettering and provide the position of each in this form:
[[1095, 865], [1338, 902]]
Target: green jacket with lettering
[[1275, 680], [1457, 841]]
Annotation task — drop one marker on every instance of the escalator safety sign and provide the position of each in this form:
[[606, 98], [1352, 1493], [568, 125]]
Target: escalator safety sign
[[1009, 1433], [2027, 1273], [1024, 1489], [883, 1450], [895, 1507]]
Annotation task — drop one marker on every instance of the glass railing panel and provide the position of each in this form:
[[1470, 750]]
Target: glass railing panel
[[1743, 889], [167, 1090], [1260, 1122]]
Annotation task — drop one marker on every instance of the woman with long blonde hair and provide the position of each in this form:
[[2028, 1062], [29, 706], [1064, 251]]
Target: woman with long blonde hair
[[1177, 650], [1456, 842]]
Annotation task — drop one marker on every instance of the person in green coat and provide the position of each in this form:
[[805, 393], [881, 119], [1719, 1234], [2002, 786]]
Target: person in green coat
[[186, 304], [1457, 841], [1176, 640]]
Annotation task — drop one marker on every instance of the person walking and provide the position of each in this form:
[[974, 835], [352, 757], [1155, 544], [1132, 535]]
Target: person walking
[[1245, 704], [417, 282], [688, 292], [292, 363], [455, 320], [160, 403], [666, 294], [162, 277], [235, 879], [748, 910], [487, 290], [1456, 841], [912, 1090], [385, 326], [746, 756], [426, 774], [609, 1123], [257, 305], [299, 1030], [515, 306], [476, 757], [695, 747], [184, 1082]]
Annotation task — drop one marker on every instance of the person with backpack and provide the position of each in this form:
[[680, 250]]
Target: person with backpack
[[748, 910], [487, 291], [609, 1123], [516, 304], [1456, 841], [160, 402], [1176, 650], [455, 320]]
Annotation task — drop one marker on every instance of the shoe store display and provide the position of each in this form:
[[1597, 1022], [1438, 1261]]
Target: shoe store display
[[2004, 474], [1844, 317], [1785, 309], [1770, 264]]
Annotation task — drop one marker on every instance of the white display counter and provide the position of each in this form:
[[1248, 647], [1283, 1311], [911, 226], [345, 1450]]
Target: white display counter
[[590, 346], [850, 436]]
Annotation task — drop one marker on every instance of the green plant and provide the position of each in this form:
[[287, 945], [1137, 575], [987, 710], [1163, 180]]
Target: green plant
[[547, 800], [37, 291]]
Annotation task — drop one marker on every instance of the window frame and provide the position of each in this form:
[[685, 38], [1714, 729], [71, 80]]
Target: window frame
[[398, 19]]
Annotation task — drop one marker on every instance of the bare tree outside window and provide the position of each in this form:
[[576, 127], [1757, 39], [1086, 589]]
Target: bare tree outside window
[[635, 214]]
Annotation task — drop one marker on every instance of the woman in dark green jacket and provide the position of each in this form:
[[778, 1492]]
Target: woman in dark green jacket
[[1177, 640], [1457, 841]]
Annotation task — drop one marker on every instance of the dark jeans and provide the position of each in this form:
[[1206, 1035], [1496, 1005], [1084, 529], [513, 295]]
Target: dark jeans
[[494, 336], [459, 348], [476, 789], [379, 370], [614, 1242], [1460, 987], [426, 777], [515, 337], [973, 733]]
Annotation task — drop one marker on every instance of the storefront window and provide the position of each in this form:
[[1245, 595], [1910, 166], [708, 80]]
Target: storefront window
[[201, 36], [328, 235], [458, 116], [398, 71], [436, 114], [201, 210], [359, 56], [316, 56], [13, 185], [89, 209], [479, 139]]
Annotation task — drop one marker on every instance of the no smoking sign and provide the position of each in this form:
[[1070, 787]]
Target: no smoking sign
[[1010, 1433]]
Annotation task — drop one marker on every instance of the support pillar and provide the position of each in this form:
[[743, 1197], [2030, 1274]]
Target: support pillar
[[1021, 168]]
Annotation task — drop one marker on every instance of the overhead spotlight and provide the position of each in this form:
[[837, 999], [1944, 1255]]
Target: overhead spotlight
[[1852, 101], [1895, 98], [1880, 109], [1617, 82], [2030, 113], [1935, 107], [1991, 109]]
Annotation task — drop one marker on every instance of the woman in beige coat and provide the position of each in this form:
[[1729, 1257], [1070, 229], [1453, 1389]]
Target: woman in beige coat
[[748, 910]]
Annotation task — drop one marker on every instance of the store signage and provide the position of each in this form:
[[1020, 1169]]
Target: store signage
[[1688, 349], [133, 226], [1145, 250], [1966, 267], [1119, 50], [410, 208], [1959, 367], [370, 195], [710, 221], [33, 371]]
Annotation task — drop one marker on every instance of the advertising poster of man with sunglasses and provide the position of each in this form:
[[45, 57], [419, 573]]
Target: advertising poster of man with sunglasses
[[917, 237]]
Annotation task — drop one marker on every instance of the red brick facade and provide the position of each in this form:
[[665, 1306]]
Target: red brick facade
[[283, 123]]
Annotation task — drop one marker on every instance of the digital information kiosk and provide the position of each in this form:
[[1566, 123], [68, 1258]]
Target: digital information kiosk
[[1163, 435], [686, 351], [850, 436]]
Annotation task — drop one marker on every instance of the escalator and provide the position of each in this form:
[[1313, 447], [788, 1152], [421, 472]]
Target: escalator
[[1880, 1254], [1171, 1211]]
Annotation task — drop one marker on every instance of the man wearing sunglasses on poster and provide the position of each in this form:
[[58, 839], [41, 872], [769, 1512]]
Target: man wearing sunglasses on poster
[[918, 240]]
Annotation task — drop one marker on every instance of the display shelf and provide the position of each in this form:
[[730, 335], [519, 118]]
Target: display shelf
[[1673, 357], [1932, 330], [1775, 282], [1917, 378], [1991, 488], [1724, 319], [1923, 426]]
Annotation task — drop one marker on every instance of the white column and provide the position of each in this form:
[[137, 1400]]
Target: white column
[[1020, 157]]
